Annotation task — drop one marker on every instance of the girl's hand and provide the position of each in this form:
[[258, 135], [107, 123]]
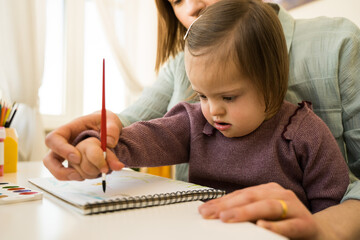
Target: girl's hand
[[270, 206], [93, 162]]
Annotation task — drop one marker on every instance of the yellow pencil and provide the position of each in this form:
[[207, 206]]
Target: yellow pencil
[[6, 116]]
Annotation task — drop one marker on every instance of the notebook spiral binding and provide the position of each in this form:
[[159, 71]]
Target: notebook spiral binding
[[151, 200]]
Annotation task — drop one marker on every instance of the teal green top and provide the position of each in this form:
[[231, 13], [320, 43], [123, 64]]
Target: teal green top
[[324, 58]]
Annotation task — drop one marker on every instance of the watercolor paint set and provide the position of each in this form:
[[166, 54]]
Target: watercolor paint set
[[13, 193]]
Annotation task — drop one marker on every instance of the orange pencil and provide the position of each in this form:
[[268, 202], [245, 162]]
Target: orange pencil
[[3, 109]]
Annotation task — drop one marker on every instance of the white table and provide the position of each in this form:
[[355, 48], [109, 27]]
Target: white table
[[52, 219]]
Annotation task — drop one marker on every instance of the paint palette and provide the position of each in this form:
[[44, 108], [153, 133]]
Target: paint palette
[[13, 193]]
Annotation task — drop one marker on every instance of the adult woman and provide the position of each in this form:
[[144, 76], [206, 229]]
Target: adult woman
[[323, 60]]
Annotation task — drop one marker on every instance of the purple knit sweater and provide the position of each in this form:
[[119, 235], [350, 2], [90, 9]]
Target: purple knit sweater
[[294, 148]]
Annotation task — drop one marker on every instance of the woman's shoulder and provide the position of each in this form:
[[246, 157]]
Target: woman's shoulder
[[174, 67], [174, 62], [319, 27], [330, 26]]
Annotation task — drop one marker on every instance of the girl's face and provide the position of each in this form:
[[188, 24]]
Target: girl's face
[[187, 11], [230, 102]]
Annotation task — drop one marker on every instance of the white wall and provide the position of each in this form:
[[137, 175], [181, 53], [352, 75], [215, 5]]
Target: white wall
[[146, 42], [331, 8]]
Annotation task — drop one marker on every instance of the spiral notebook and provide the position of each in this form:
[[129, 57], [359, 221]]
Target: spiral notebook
[[126, 189]]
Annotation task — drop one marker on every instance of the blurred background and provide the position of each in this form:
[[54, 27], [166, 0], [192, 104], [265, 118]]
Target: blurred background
[[51, 55]]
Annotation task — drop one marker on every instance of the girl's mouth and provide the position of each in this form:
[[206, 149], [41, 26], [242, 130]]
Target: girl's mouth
[[221, 126]]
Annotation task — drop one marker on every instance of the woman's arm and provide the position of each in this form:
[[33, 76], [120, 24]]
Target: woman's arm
[[340, 221], [349, 83]]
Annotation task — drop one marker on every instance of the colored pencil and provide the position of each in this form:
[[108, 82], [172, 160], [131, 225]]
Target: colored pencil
[[7, 113], [8, 123], [3, 109]]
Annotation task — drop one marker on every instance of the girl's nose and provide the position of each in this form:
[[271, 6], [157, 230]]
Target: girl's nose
[[216, 109]]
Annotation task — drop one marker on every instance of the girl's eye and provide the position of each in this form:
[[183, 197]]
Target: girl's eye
[[201, 96], [229, 99]]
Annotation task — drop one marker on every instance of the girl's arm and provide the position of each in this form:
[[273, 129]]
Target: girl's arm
[[158, 142], [152, 104], [325, 173]]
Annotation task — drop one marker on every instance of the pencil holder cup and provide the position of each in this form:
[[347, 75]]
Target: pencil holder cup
[[2, 155], [10, 150]]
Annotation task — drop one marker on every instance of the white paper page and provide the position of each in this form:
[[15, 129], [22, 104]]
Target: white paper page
[[120, 184]]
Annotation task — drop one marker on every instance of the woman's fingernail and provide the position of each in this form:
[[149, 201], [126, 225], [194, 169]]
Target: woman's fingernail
[[227, 217], [207, 213]]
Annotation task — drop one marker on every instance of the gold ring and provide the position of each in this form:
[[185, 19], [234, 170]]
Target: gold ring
[[284, 208]]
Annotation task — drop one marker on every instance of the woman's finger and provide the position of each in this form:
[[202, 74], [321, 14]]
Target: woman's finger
[[61, 147], [53, 163], [59, 140], [211, 209], [270, 209]]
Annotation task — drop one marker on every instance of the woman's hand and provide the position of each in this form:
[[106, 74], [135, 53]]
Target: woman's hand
[[270, 206], [59, 141]]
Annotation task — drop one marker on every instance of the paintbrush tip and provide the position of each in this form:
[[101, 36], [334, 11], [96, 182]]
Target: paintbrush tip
[[104, 186]]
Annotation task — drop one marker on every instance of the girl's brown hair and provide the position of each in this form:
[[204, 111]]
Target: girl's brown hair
[[250, 34], [170, 33]]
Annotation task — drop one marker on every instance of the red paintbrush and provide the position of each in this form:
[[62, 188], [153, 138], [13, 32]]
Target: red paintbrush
[[103, 126]]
